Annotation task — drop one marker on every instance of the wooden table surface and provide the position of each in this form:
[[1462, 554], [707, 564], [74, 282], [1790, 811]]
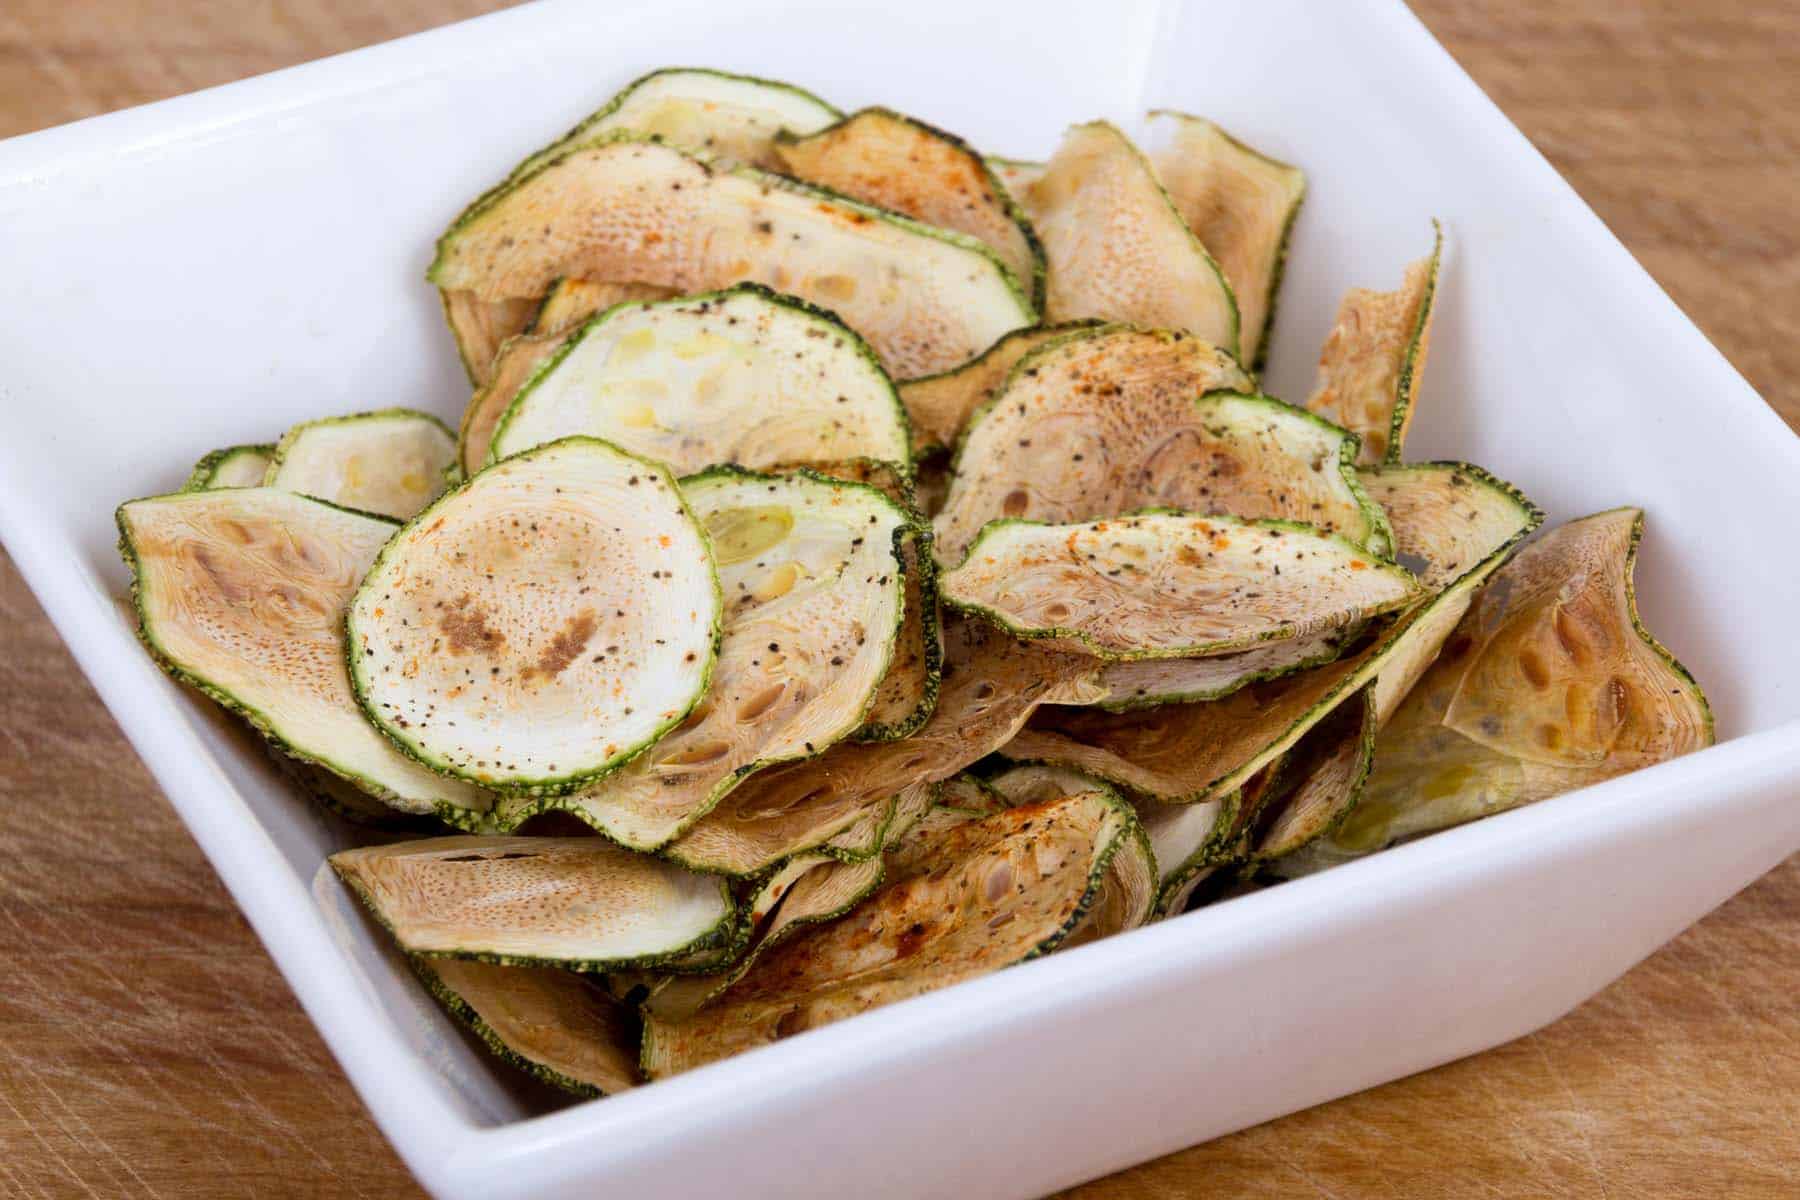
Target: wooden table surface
[[149, 1048]]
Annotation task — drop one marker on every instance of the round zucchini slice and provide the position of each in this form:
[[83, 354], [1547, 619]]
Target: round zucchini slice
[[1172, 585], [1374, 355], [1550, 683], [938, 406], [926, 299], [1241, 205], [743, 376], [881, 157], [1184, 753], [241, 592], [581, 903], [1103, 422], [232, 467], [542, 624], [556, 1025], [963, 897], [737, 116], [390, 462], [1118, 248], [811, 573], [992, 683]]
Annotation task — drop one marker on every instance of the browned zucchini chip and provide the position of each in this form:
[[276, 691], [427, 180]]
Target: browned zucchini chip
[[557, 1025], [626, 208], [1550, 683], [1374, 355], [1241, 205], [1172, 585], [811, 572], [897, 162], [1116, 246], [481, 327], [580, 902], [964, 896], [992, 683]]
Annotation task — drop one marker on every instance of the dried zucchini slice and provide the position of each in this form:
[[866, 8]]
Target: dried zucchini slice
[[481, 327], [1106, 421], [1241, 205], [241, 593], [232, 467], [1117, 246], [1550, 683], [963, 898], [940, 405], [622, 208], [742, 376], [1134, 877], [811, 572], [884, 158], [542, 624], [992, 683], [1172, 585], [736, 116], [581, 902], [1185, 753], [390, 463], [556, 1025], [1370, 366]]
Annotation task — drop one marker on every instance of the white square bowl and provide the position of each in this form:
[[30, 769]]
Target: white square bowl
[[208, 270]]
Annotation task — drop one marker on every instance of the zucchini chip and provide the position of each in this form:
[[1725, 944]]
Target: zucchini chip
[[1241, 205], [736, 116], [1172, 585], [1102, 422], [1370, 366], [241, 592], [940, 405], [581, 903], [571, 302], [1117, 246], [1133, 880], [743, 376], [1454, 523], [556, 1025], [624, 208], [992, 683], [390, 463], [481, 327], [964, 897], [1550, 683], [542, 624], [883, 158], [811, 572], [232, 467]]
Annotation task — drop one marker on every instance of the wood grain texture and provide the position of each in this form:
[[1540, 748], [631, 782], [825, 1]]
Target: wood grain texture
[[148, 1047]]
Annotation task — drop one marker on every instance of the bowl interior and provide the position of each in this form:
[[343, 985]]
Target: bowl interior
[[209, 271]]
